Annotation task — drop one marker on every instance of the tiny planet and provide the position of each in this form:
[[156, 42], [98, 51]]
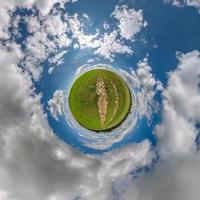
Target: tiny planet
[[100, 100]]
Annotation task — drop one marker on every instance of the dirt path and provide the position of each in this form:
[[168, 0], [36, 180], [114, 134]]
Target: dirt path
[[103, 99]]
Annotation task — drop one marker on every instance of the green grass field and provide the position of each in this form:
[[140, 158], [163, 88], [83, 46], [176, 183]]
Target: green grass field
[[100, 100]]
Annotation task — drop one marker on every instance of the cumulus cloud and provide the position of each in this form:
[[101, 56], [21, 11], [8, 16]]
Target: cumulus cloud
[[130, 21], [175, 176], [110, 45], [181, 100], [33, 158], [48, 41], [83, 40], [56, 104], [37, 45], [52, 34], [104, 44], [36, 165], [182, 3], [44, 6], [144, 79]]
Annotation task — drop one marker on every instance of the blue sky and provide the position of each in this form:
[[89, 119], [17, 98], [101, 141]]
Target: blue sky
[[154, 46]]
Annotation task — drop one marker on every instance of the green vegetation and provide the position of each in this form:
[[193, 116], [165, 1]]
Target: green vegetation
[[100, 100]]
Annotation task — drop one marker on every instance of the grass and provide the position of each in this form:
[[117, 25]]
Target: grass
[[83, 100]]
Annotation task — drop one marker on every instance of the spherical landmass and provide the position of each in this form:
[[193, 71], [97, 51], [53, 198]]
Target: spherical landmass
[[100, 100]]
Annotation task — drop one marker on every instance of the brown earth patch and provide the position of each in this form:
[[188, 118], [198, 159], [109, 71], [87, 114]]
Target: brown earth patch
[[103, 99]]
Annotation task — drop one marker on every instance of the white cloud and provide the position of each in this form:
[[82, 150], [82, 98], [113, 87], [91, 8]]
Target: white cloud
[[111, 45], [35, 164], [106, 44], [130, 21], [32, 158], [56, 104], [181, 100], [176, 173], [182, 3], [144, 79], [84, 40], [144, 73], [44, 7], [39, 46], [53, 34], [106, 26], [54, 26], [174, 178], [48, 40]]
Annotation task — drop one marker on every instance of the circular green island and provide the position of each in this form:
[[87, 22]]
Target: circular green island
[[100, 100]]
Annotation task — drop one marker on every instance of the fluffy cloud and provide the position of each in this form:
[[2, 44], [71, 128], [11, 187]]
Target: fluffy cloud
[[104, 44], [56, 104], [83, 40], [130, 21], [110, 45], [42, 27], [32, 158], [181, 3], [51, 37], [48, 41], [35, 164], [5, 6], [178, 130], [175, 176], [52, 34], [144, 79]]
